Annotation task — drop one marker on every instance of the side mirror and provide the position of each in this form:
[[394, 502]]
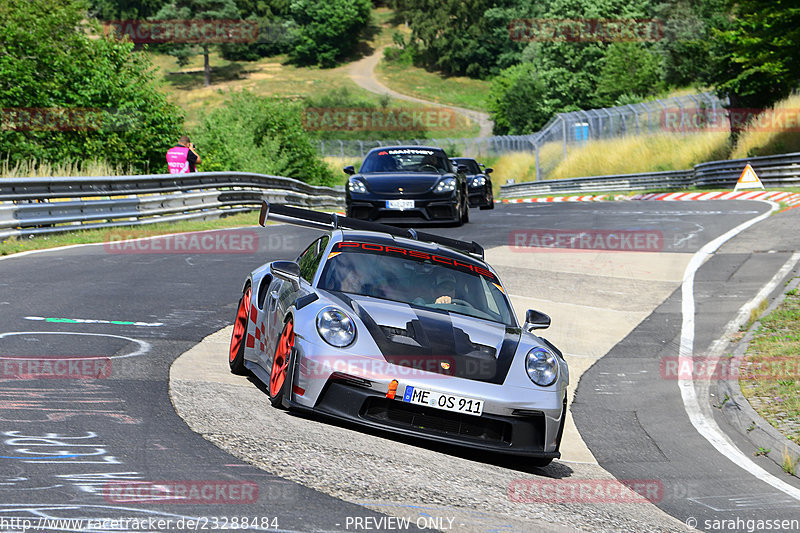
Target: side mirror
[[536, 320], [287, 271], [462, 169], [488, 170], [349, 170]]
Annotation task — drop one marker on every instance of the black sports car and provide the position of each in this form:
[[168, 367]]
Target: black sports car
[[408, 184], [479, 184]]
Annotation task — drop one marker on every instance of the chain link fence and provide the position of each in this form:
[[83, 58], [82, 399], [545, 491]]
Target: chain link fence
[[564, 131]]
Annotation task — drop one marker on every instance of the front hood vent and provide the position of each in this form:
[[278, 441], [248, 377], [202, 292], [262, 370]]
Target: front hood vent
[[436, 341]]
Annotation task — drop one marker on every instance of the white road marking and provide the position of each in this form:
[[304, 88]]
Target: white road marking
[[94, 321], [144, 347], [704, 424]]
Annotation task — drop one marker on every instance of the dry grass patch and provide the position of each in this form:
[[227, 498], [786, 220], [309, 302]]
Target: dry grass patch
[[777, 137], [43, 169], [651, 153]]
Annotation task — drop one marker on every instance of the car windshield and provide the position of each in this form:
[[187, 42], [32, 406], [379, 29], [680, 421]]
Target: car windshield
[[419, 281], [471, 164], [406, 160]]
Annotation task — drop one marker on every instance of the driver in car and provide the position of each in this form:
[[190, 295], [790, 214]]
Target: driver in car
[[429, 160], [446, 287]]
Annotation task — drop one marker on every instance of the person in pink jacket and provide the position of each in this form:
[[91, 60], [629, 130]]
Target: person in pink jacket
[[183, 157]]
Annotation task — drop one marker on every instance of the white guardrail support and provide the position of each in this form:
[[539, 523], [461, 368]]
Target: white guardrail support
[[31, 206]]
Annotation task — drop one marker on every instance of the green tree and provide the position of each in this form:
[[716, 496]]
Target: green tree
[[628, 68], [687, 39], [124, 9], [459, 37], [249, 133], [99, 92], [196, 10], [523, 98], [755, 54], [276, 30], [328, 31]]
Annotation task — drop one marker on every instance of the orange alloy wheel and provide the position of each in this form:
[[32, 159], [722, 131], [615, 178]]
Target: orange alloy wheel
[[240, 325], [281, 360]]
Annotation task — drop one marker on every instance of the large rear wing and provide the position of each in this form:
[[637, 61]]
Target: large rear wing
[[315, 219]]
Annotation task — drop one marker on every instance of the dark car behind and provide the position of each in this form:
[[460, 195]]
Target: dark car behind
[[407, 184], [479, 184]]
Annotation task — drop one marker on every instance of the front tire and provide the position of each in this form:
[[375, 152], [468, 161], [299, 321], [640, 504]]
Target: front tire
[[236, 355], [489, 201], [465, 210], [280, 364]]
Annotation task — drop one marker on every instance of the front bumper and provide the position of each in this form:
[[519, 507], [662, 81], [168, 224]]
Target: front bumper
[[424, 210], [478, 196], [523, 435]]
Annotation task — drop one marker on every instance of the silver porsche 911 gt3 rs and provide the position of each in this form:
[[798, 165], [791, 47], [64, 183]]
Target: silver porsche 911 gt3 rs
[[403, 331]]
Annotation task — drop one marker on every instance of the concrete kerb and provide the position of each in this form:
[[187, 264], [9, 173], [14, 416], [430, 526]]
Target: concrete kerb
[[737, 409]]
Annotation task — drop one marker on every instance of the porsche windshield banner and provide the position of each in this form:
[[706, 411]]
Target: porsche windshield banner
[[415, 255]]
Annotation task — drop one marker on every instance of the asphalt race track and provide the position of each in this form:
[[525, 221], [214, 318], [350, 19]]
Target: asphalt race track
[[98, 438]]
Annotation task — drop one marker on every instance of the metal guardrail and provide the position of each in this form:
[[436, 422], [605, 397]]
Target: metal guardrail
[[773, 170], [32, 206]]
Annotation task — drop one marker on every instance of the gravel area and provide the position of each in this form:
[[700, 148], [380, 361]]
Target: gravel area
[[397, 476]]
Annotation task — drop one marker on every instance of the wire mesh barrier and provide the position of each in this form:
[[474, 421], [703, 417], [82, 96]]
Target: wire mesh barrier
[[773, 171], [30, 206], [683, 114]]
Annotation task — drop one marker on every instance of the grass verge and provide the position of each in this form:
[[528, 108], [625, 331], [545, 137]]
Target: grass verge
[[40, 242], [768, 376], [414, 81]]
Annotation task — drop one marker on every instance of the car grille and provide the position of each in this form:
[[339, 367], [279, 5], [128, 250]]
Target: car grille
[[403, 415], [441, 211]]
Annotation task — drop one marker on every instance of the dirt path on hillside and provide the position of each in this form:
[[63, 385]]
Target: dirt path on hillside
[[363, 73]]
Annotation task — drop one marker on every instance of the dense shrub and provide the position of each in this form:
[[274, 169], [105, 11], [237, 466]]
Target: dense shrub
[[249, 133], [99, 92]]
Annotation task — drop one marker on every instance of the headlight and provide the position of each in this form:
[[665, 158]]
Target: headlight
[[336, 327], [446, 185], [356, 186], [542, 366], [478, 182]]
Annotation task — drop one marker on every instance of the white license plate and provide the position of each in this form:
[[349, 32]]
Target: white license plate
[[444, 401], [400, 204]]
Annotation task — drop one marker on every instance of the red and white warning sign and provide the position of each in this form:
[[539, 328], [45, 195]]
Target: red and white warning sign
[[748, 179]]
